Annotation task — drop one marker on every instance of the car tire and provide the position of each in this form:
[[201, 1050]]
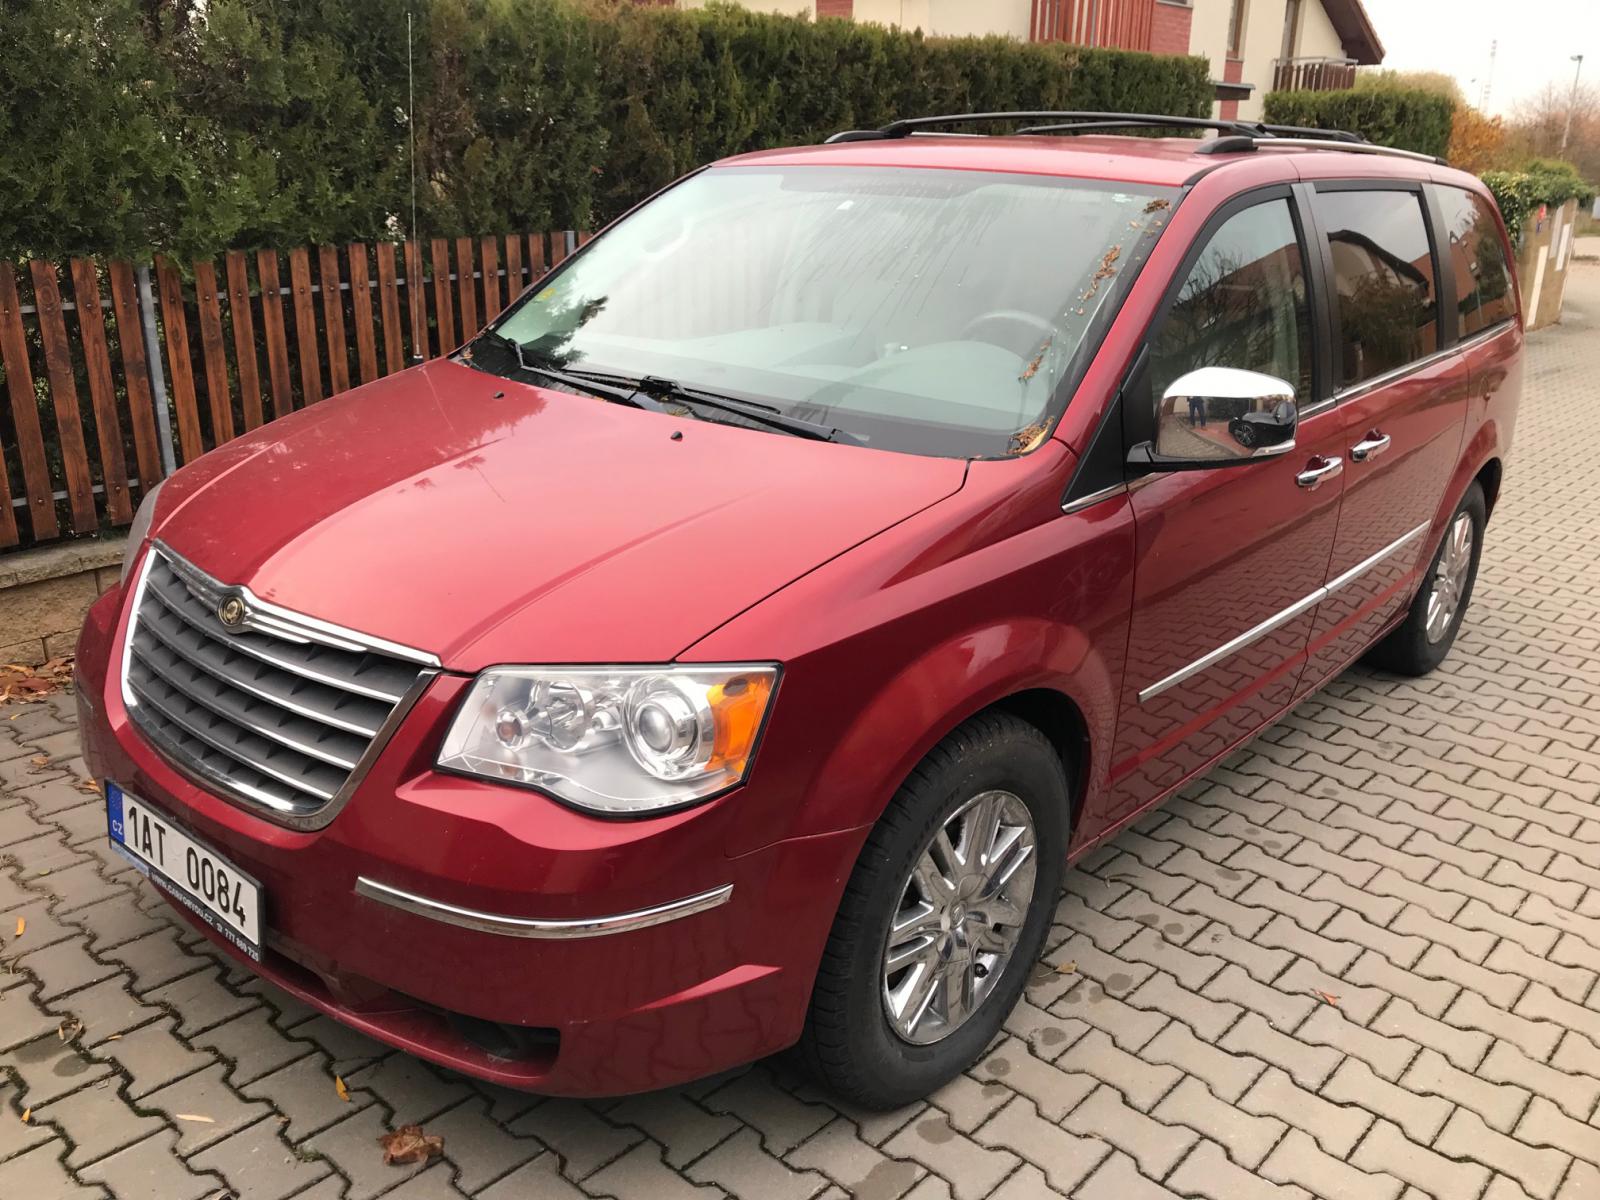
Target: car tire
[[1421, 641], [851, 1044]]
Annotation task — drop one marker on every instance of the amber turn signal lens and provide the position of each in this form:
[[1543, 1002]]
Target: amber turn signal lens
[[737, 707]]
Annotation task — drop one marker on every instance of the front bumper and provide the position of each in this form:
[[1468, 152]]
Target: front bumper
[[622, 955]]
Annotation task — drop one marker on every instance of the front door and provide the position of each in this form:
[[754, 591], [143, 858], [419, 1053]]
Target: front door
[[1230, 560], [1405, 406]]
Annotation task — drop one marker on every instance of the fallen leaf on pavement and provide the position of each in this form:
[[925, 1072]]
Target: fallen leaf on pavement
[[40, 760], [1325, 997], [113, 1037], [69, 1028], [24, 684], [195, 1117], [1069, 968], [409, 1144], [88, 785], [27, 1115], [22, 923], [338, 1086]]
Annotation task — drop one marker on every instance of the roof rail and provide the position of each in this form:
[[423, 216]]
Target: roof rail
[[1234, 136], [1233, 145]]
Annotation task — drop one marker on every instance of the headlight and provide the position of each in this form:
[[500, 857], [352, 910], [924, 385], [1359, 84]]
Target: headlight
[[140, 529], [617, 740]]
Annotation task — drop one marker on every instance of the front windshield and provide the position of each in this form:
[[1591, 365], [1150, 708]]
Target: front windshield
[[928, 311]]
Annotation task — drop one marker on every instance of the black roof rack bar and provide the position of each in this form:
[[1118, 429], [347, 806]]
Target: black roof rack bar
[[1088, 127], [910, 125], [1305, 131], [1234, 137]]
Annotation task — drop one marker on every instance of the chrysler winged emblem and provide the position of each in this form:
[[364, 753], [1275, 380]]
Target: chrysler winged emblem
[[231, 612]]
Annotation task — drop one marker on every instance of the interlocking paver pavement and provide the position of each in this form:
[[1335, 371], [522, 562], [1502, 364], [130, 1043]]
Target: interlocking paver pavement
[[1359, 960]]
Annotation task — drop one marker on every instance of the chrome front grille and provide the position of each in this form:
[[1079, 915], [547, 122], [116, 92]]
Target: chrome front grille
[[279, 711]]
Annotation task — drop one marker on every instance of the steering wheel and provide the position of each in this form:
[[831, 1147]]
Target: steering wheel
[[1012, 316]]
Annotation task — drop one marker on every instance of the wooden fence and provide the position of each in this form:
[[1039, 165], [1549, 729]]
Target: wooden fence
[[174, 366], [1119, 24]]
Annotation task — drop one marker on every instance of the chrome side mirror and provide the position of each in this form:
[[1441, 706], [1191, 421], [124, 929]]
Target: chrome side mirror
[[1218, 415]]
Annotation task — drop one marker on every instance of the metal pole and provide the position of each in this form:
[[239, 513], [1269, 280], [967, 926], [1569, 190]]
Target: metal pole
[[158, 375], [1572, 103]]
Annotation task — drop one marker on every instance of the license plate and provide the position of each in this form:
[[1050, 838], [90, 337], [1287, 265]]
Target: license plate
[[199, 878]]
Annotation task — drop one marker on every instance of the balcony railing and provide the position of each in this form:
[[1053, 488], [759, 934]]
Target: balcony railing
[[1120, 24], [1313, 74]]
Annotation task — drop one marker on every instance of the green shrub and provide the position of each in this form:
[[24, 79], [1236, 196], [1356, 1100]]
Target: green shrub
[[1540, 181], [189, 126], [1407, 119]]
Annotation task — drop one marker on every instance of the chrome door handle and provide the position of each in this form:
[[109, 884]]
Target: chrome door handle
[[1311, 478], [1371, 446]]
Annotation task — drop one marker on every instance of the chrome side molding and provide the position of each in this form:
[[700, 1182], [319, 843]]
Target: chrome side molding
[[1282, 618], [535, 927]]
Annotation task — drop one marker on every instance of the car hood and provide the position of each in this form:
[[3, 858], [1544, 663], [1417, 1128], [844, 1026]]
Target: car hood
[[487, 521]]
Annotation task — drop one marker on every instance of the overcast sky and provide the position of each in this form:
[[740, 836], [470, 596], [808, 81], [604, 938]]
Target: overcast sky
[[1536, 40]]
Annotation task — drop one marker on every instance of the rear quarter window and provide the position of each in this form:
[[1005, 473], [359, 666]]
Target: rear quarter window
[[1484, 296], [1384, 284]]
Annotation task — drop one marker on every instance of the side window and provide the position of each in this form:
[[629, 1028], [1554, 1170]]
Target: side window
[[1243, 305], [1383, 280], [1483, 277]]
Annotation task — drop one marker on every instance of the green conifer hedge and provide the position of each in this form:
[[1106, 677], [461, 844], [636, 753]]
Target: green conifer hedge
[[189, 127]]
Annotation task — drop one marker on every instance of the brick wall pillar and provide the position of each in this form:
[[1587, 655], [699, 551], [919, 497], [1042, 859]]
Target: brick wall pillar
[[1169, 29], [1232, 73]]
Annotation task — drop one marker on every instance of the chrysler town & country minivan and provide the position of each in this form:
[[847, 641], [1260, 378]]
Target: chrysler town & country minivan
[[729, 648]]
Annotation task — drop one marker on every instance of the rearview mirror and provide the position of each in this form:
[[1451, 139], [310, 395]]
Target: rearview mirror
[[1220, 415]]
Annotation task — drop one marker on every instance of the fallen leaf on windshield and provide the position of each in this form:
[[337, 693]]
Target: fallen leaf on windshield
[[338, 1086], [1033, 367], [1026, 439], [409, 1144]]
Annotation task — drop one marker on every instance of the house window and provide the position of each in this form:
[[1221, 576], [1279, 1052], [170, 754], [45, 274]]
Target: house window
[[1236, 19]]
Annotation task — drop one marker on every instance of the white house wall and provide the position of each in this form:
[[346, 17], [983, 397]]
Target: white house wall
[[1208, 30], [1318, 38]]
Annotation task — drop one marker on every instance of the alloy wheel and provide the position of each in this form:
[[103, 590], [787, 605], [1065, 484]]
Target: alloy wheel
[[960, 915], [1450, 578]]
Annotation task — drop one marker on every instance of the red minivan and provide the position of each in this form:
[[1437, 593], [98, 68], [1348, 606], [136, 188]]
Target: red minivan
[[730, 647]]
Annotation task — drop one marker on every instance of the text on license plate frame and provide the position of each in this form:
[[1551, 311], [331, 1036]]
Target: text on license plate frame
[[220, 894]]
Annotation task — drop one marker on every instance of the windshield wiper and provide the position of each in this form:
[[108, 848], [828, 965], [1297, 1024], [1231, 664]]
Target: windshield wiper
[[594, 386], [766, 414]]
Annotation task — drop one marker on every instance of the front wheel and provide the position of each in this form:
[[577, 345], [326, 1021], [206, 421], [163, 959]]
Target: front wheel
[[1421, 641], [943, 917]]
